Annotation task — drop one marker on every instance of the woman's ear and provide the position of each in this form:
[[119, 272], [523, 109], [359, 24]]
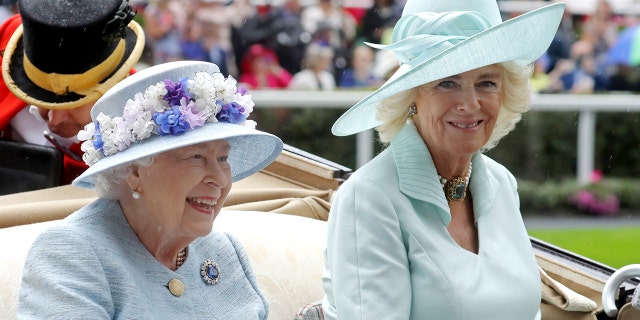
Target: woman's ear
[[133, 179]]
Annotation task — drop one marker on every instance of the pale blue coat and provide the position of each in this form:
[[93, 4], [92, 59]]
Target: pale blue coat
[[92, 266], [389, 255]]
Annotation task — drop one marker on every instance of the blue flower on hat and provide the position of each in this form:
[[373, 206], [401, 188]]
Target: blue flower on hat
[[171, 122], [97, 142], [232, 113]]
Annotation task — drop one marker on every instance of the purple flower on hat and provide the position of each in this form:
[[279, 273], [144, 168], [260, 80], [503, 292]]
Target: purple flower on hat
[[170, 122], [231, 113], [191, 115], [175, 91]]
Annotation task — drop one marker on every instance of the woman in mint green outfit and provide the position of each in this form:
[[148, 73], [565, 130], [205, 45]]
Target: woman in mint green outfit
[[431, 227]]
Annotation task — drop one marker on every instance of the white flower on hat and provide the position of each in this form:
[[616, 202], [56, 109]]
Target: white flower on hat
[[168, 108]]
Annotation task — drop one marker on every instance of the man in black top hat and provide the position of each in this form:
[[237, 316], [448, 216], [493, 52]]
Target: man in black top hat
[[58, 58]]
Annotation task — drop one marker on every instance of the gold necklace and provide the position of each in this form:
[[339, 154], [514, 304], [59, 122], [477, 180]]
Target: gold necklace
[[182, 256], [455, 189]]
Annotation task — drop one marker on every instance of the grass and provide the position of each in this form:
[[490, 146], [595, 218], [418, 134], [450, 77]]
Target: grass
[[615, 247]]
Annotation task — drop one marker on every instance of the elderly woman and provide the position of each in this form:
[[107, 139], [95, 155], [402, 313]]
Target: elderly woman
[[430, 228], [164, 147]]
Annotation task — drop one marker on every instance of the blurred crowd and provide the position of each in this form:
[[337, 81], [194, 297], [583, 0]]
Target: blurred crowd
[[319, 44], [592, 53]]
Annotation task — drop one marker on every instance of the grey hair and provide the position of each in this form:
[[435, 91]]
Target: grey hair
[[314, 55], [108, 181], [517, 91]]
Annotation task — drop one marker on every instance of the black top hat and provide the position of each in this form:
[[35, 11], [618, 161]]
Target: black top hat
[[68, 53]]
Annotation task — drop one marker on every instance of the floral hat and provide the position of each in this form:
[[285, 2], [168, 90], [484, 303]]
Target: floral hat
[[170, 106], [435, 39]]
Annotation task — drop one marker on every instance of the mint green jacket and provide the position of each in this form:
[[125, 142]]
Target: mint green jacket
[[390, 256]]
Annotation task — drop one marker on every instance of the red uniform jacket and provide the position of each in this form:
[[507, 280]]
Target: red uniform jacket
[[10, 106]]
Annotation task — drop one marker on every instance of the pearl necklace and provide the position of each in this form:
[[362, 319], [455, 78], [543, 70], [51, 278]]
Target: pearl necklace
[[455, 189], [182, 256]]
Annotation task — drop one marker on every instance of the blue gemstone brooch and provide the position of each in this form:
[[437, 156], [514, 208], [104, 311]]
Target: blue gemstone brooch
[[210, 272]]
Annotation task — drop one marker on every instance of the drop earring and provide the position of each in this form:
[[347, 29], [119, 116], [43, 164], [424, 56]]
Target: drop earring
[[413, 110], [135, 194]]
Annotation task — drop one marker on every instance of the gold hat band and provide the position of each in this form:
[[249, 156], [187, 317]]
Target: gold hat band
[[61, 84]]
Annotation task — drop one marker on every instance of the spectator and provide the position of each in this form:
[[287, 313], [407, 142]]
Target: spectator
[[380, 16], [163, 30], [279, 29], [261, 69], [316, 73], [219, 18], [540, 80], [7, 9], [579, 73], [95, 34], [601, 30], [329, 16], [561, 45], [290, 38], [330, 24], [360, 75], [192, 44]]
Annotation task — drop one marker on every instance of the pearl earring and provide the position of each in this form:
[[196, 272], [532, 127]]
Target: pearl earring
[[135, 195]]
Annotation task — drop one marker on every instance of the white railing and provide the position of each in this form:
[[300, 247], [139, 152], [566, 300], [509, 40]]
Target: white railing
[[585, 105]]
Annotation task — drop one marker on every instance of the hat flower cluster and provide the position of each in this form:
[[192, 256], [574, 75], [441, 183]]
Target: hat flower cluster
[[168, 108]]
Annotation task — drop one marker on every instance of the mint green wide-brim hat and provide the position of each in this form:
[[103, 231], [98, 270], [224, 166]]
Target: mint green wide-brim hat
[[435, 39], [140, 104]]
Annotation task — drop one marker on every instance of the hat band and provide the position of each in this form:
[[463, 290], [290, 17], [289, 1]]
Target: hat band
[[421, 36], [61, 84]]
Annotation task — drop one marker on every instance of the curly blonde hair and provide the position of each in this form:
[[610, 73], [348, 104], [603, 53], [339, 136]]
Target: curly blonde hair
[[392, 111]]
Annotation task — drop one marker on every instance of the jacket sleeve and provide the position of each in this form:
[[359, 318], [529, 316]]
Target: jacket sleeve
[[63, 279], [366, 265]]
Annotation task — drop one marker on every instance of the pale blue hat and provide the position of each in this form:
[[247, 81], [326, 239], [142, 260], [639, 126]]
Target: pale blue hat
[[435, 39], [169, 106]]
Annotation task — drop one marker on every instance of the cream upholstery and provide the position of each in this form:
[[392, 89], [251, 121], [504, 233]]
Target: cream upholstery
[[286, 252]]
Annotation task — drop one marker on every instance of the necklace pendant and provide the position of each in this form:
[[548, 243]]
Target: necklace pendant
[[456, 189]]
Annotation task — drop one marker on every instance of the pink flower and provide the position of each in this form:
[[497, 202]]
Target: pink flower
[[596, 176]]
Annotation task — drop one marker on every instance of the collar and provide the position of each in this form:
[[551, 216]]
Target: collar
[[418, 177]]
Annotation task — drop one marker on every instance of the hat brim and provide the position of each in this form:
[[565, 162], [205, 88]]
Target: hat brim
[[24, 89], [521, 39], [251, 150]]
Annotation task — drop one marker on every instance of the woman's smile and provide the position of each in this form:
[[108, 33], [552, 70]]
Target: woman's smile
[[466, 125], [205, 205]]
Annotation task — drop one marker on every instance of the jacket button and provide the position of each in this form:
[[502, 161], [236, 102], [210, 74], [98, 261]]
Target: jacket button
[[176, 287]]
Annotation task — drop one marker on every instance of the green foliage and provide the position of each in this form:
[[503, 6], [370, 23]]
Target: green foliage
[[543, 146], [546, 196], [309, 129], [551, 197]]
